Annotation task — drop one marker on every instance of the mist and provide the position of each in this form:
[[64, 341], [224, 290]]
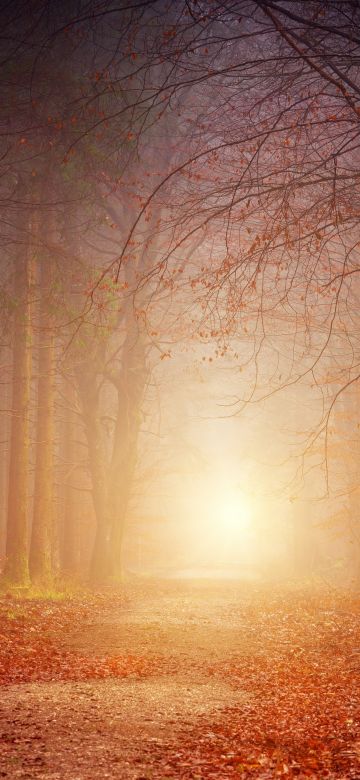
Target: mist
[[179, 396]]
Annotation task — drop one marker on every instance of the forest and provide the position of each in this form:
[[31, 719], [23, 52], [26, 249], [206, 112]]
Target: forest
[[180, 389]]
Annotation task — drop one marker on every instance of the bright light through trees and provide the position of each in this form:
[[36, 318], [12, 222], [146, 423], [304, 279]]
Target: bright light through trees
[[179, 389], [179, 196], [220, 530]]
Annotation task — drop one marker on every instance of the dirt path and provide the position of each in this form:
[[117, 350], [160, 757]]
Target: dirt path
[[210, 705]]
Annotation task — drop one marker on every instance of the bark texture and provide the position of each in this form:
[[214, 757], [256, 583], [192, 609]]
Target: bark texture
[[16, 565], [40, 561]]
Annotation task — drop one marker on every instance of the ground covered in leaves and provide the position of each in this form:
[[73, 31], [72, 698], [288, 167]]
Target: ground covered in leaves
[[192, 679]]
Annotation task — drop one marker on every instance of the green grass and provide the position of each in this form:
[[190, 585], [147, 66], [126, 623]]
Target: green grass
[[57, 591]]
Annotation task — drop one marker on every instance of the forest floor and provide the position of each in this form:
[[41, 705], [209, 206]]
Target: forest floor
[[191, 679]]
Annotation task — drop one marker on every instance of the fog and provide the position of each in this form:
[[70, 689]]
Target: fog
[[179, 289]]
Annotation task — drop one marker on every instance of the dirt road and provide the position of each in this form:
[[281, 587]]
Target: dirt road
[[236, 682]]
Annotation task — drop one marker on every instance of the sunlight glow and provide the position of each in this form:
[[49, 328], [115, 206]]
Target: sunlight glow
[[231, 513], [220, 529]]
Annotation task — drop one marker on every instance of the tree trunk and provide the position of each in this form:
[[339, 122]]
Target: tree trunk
[[40, 561], [69, 531], [131, 387], [99, 567], [70, 552], [16, 566], [354, 537], [5, 402]]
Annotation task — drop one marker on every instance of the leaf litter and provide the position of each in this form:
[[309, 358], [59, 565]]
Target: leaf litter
[[182, 680]]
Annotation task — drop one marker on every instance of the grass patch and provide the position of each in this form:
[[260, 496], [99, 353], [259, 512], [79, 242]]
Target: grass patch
[[59, 591]]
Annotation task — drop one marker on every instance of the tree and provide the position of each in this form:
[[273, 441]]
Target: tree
[[16, 565], [40, 560], [208, 157]]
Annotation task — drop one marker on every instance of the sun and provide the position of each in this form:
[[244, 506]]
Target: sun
[[220, 522], [233, 514]]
